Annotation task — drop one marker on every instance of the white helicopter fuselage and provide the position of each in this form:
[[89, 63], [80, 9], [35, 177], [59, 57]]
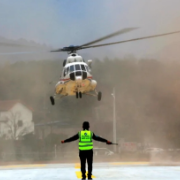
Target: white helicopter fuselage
[[75, 78]]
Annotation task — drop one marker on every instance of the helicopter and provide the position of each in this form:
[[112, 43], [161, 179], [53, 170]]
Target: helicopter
[[76, 78]]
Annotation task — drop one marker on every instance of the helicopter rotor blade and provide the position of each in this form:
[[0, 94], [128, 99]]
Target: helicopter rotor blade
[[122, 31], [57, 50], [11, 53], [135, 39], [75, 48]]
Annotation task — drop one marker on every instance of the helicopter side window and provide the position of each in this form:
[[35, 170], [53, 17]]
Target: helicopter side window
[[87, 68], [67, 70], [77, 67], [72, 68], [64, 62], [83, 67]]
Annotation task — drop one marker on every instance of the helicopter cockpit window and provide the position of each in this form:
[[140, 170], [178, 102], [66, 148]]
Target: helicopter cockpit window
[[65, 71], [72, 68], [83, 67], [87, 68], [77, 67]]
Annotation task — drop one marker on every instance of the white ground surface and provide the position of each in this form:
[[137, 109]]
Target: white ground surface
[[106, 171]]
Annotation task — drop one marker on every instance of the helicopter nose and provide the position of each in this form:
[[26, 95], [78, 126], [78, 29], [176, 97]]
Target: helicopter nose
[[77, 75], [78, 79]]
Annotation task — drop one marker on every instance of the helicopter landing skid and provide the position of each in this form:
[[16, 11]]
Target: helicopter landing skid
[[96, 94], [52, 98], [78, 94], [91, 94]]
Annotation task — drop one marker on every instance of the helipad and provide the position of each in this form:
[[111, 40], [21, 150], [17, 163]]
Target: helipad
[[101, 171]]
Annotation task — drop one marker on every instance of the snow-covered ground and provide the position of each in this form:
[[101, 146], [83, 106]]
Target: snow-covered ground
[[104, 171]]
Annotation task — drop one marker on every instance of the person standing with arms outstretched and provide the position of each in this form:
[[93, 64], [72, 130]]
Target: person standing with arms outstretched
[[86, 147]]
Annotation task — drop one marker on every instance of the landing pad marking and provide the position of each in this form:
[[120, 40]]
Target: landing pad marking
[[77, 166], [79, 175]]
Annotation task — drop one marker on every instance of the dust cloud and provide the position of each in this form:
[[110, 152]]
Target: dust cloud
[[147, 101]]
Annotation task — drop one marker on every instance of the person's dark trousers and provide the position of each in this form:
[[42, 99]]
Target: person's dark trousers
[[86, 155]]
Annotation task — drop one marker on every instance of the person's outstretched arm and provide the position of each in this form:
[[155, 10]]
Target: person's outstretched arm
[[73, 138], [98, 138]]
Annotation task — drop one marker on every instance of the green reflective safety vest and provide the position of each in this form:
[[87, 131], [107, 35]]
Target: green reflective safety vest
[[85, 140]]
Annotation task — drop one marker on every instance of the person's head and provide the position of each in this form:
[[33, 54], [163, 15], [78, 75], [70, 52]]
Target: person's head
[[85, 125]]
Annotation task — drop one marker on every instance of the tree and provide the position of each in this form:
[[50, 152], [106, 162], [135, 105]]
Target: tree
[[14, 126]]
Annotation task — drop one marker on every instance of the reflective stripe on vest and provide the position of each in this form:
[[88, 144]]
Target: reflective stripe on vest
[[85, 140]]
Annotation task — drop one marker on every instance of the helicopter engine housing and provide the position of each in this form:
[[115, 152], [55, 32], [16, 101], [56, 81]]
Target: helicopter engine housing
[[89, 63], [74, 58], [93, 84]]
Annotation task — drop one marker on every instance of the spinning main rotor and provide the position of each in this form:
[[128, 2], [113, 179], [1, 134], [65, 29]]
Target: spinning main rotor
[[73, 49]]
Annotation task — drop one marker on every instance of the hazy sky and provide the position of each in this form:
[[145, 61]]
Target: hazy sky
[[65, 22]]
